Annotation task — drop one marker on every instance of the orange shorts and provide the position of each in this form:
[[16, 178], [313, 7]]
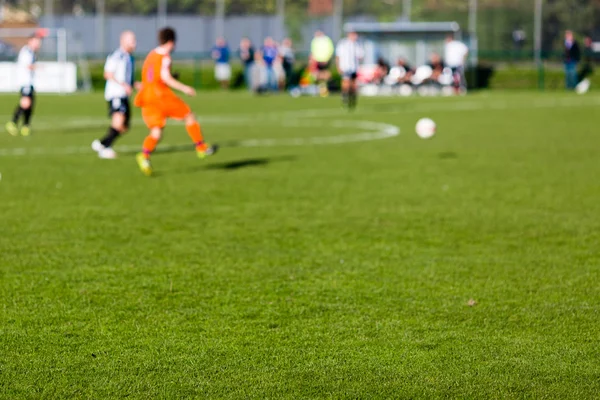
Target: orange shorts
[[155, 115]]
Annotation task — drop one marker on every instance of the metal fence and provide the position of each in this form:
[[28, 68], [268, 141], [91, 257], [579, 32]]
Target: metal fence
[[504, 28]]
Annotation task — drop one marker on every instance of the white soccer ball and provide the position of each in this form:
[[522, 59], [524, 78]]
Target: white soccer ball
[[426, 128]]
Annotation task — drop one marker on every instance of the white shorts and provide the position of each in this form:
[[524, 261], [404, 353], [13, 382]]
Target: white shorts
[[222, 72]]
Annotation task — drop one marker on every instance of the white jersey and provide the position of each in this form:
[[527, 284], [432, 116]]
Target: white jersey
[[121, 65], [349, 54], [455, 53], [25, 63]]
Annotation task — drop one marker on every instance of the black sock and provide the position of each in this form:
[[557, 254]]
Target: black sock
[[111, 135], [17, 114], [27, 116], [352, 99]]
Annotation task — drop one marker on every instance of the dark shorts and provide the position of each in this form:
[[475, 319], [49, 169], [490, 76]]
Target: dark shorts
[[352, 75], [28, 91], [459, 76], [120, 105], [323, 66]]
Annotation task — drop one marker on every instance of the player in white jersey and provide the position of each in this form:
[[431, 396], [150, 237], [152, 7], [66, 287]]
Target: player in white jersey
[[349, 53], [25, 74], [119, 73], [455, 57]]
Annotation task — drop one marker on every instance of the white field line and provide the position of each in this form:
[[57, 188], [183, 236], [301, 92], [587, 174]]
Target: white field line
[[297, 118], [369, 131]]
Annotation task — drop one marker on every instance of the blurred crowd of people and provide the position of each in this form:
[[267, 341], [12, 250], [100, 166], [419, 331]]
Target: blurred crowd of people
[[270, 67], [578, 63], [265, 68], [439, 74]]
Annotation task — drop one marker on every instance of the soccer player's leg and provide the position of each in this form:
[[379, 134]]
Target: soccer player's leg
[[178, 109], [120, 115], [194, 130], [353, 93], [323, 77], [345, 89], [27, 103], [24, 104], [12, 127], [155, 120], [150, 143]]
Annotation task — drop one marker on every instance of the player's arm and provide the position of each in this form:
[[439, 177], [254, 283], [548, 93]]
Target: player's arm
[[170, 81], [110, 76], [110, 69]]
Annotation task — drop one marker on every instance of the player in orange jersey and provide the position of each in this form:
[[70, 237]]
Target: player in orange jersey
[[158, 102]]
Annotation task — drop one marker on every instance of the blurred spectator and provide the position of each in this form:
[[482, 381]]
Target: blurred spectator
[[220, 53], [381, 71], [286, 50], [409, 71], [519, 36], [572, 56], [280, 73], [321, 51], [310, 73], [270, 53], [349, 53], [437, 66], [588, 59], [588, 48], [247, 57], [259, 74], [455, 58], [587, 68]]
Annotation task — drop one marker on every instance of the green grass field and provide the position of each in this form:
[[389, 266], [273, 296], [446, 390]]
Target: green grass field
[[294, 265]]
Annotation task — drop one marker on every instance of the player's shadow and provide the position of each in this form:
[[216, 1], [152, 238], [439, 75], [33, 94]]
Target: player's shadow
[[233, 165], [238, 164]]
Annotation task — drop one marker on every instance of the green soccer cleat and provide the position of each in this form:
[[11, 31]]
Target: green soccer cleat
[[144, 164], [25, 131], [207, 151], [12, 128]]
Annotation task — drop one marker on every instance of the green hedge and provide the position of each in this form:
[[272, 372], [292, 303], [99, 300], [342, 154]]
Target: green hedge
[[192, 73], [201, 76]]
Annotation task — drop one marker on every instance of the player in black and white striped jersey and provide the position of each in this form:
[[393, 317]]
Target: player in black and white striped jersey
[[25, 74], [119, 73], [349, 53]]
